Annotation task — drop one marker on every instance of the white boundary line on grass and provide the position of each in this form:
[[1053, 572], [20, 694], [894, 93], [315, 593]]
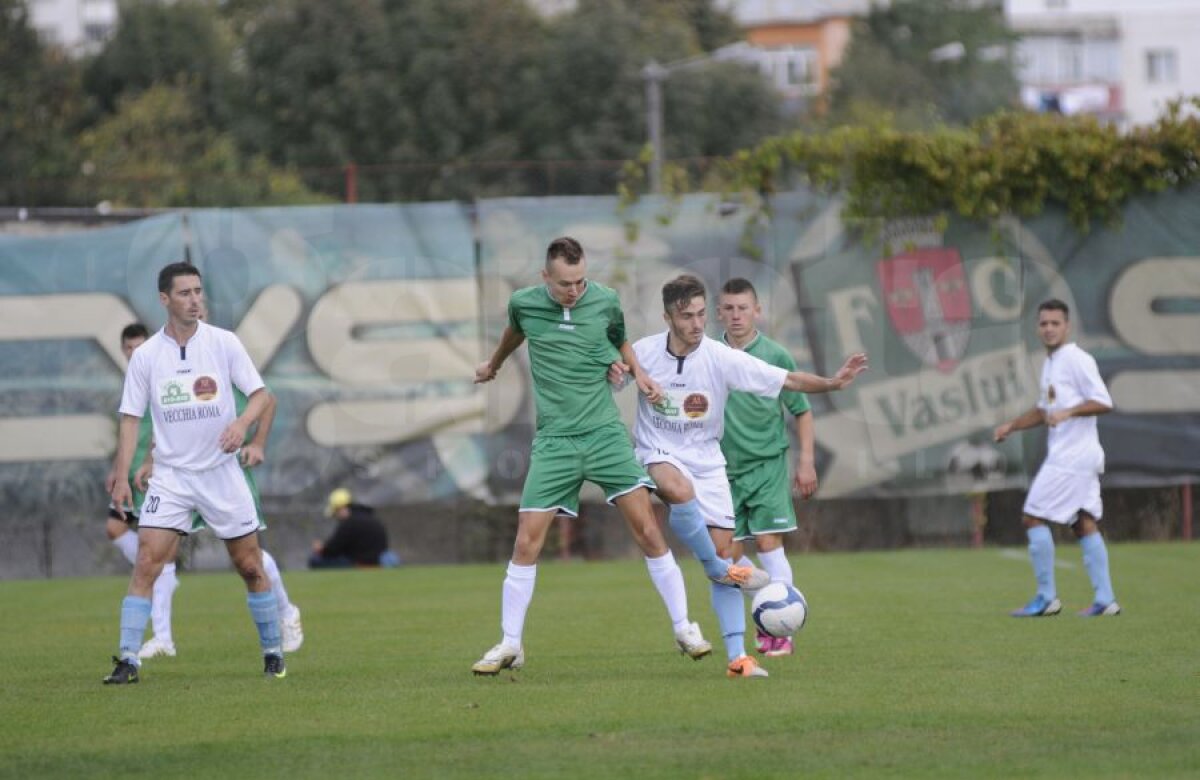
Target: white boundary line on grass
[[1017, 555]]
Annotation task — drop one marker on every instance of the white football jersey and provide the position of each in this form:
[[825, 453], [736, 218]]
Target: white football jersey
[[1070, 377], [688, 423], [189, 390]]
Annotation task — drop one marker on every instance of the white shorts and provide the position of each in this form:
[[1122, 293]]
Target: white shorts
[[219, 494], [1059, 495], [711, 488]]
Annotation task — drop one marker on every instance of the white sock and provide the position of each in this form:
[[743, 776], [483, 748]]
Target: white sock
[[281, 597], [514, 601], [160, 603], [667, 577], [776, 564], [127, 544]]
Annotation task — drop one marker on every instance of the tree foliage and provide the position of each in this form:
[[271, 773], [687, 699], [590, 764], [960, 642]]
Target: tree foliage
[[926, 62], [158, 150], [40, 108], [334, 81], [1006, 164], [167, 43], [430, 98]]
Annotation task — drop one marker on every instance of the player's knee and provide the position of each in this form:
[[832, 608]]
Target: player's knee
[[527, 545], [252, 573], [676, 491]]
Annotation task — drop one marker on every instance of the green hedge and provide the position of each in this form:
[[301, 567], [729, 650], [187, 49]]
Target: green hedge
[[1006, 164]]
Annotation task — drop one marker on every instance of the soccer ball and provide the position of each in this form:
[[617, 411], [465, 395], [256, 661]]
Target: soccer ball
[[779, 609]]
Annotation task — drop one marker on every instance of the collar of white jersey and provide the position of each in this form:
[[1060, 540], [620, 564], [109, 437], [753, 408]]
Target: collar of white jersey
[[1070, 346], [200, 326], [673, 356]]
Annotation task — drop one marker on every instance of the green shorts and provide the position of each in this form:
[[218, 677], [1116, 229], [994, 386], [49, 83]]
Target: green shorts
[[762, 499], [558, 466], [198, 523]]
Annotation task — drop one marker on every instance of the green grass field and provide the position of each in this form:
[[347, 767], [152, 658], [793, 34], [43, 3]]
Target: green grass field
[[908, 667]]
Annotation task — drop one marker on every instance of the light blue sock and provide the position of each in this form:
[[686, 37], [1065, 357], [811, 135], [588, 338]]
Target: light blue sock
[[729, 604], [135, 614], [688, 525], [1095, 560], [1041, 555], [264, 610]]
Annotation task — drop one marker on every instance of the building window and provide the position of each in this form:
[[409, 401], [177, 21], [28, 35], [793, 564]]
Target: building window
[[1162, 66], [793, 68], [96, 33]]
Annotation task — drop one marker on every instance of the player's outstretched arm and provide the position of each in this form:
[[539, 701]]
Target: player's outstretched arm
[[811, 383], [487, 370], [1030, 419]]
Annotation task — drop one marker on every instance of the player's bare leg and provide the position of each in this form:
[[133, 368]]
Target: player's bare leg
[[264, 611], [155, 546]]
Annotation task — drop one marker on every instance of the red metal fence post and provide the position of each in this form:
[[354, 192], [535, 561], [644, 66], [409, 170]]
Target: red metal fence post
[[351, 172]]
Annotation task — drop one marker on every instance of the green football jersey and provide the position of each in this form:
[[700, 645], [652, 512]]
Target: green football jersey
[[145, 435], [570, 351], [754, 427]]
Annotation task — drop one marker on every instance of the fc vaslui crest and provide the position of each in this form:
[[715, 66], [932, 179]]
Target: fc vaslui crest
[[928, 303]]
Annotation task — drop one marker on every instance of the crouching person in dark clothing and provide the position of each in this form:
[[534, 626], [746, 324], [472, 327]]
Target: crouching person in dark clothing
[[359, 540]]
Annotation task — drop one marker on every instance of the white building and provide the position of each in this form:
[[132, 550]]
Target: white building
[[1121, 60], [76, 26]]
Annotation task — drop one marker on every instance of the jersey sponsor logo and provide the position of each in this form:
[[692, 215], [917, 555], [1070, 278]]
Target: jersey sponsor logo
[[565, 326], [205, 388], [190, 413], [695, 406], [676, 426], [172, 392], [666, 407]]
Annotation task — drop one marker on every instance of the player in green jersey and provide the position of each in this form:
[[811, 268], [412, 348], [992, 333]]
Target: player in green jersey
[[575, 330], [755, 445]]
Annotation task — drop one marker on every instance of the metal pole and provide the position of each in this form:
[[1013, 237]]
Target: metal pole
[[654, 74], [351, 175], [1186, 501]]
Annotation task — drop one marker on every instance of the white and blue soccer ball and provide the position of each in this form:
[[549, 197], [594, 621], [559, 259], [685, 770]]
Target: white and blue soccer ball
[[779, 609]]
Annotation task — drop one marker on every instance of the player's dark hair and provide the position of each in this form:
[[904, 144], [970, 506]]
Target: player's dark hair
[[166, 277], [134, 330], [680, 291], [1054, 304], [737, 285], [566, 249]]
